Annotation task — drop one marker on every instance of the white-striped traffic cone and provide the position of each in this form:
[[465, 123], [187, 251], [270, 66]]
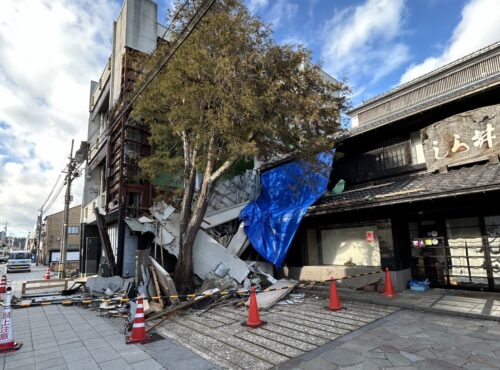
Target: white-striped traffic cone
[[7, 342], [138, 334], [47, 274], [3, 284], [3, 287]]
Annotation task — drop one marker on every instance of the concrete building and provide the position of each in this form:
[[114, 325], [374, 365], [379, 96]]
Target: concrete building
[[112, 181], [53, 235]]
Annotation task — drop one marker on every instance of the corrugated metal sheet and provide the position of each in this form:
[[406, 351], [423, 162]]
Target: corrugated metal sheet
[[113, 238]]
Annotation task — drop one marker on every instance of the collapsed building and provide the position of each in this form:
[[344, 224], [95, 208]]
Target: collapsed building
[[413, 187]]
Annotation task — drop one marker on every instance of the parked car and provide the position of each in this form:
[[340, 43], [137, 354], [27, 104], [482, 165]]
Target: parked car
[[19, 261]]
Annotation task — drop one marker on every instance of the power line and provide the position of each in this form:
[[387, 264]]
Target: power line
[[50, 194], [55, 197]]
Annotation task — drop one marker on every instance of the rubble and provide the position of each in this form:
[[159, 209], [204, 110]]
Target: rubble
[[207, 252], [165, 282], [99, 284], [267, 299]]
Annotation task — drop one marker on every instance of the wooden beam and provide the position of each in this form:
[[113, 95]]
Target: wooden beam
[[103, 234]]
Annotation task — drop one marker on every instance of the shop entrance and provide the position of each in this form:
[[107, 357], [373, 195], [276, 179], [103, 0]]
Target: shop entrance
[[457, 252]]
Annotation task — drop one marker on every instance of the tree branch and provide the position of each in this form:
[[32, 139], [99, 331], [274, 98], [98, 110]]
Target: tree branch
[[223, 168]]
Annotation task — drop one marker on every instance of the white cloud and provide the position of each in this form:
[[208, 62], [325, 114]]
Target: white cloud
[[478, 27], [255, 5], [362, 42], [49, 52], [276, 11], [281, 11]]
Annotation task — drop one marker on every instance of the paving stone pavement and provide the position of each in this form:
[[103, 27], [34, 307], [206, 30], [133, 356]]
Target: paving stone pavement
[[409, 340], [291, 331], [480, 305], [59, 337]]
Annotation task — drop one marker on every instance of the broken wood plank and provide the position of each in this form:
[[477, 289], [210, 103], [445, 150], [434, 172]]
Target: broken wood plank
[[265, 300], [104, 236], [155, 281], [167, 285]]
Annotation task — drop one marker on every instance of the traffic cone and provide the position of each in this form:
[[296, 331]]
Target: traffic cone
[[388, 287], [47, 274], [3, 284], [3, 287], [253, 320], [334, 297], [7, 342], [138, 334]]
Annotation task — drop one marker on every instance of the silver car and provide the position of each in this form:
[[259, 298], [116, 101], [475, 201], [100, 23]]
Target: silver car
[[19, 261]]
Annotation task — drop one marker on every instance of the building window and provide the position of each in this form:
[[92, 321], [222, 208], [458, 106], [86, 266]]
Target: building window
[[353, 246], [73, 229]]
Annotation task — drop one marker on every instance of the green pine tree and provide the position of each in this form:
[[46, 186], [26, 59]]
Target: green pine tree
[[229, 93]]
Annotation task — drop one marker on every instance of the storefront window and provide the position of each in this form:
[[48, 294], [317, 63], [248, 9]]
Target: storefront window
[[493, 232], [353, 246], [466, 251]]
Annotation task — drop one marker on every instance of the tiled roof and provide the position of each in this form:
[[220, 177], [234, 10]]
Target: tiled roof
[[402, 189]]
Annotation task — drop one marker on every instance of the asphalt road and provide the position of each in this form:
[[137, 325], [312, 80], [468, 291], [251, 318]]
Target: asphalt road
[[15, 279], [36, 273]]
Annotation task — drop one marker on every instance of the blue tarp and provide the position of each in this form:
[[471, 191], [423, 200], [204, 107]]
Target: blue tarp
[[286, 193]]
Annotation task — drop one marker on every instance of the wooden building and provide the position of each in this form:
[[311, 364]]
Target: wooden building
[[422, 184]]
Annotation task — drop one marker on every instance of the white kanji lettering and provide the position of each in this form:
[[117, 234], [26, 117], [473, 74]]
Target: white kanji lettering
[[482, 136], [436, 151], [458, 146]]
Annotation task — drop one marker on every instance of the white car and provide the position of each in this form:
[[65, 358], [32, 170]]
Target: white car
[[19, 261]]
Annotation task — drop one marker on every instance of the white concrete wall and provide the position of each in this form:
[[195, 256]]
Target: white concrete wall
[[136, 27]]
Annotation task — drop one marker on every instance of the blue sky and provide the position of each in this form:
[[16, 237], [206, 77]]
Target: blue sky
[[378, 44], [50, 50]]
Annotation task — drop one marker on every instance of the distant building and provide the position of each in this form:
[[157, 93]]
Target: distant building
[[53, 237]]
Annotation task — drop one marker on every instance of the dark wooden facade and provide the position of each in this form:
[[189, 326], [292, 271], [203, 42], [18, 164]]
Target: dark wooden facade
[[431, 221]]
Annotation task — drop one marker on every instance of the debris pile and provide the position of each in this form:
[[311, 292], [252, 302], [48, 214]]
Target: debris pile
[[224, 279]]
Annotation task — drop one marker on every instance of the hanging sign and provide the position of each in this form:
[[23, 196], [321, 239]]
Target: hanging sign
[[463, 138]]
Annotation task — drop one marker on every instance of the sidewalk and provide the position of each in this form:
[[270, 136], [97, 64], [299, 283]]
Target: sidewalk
[[478, 305], [409, 340], [59, 337]]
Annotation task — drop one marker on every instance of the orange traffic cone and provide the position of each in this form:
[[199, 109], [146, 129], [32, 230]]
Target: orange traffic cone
[[47, 274], [388, 287], [254, 320], [334, 297], [3, 284], [7, 342], [138, 334]]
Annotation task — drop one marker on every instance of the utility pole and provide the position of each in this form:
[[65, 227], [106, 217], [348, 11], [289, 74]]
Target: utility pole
[[67, 200], [39, 236], [71, 174]]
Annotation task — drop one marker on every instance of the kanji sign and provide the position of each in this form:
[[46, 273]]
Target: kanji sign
[[463, 138]]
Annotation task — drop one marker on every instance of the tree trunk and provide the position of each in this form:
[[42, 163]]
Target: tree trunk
[[184, 267]]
